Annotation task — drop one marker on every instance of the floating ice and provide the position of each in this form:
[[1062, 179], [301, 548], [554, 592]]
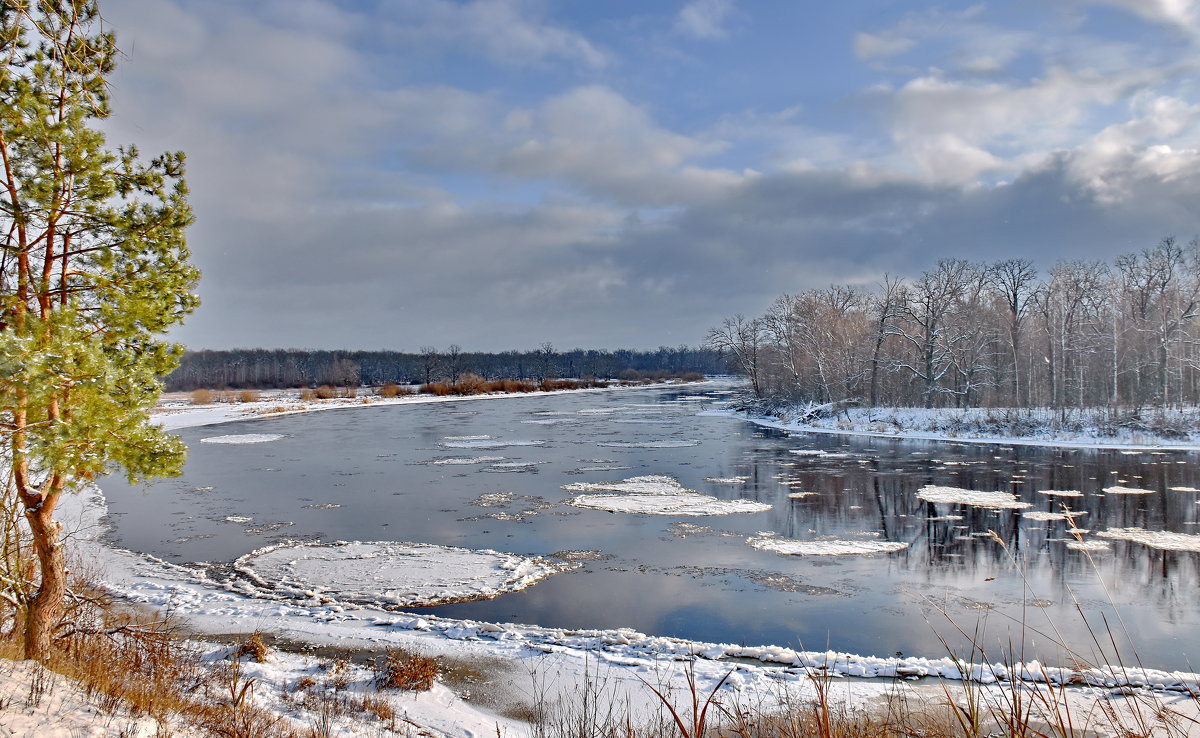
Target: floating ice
[[656, 495], [1088, 545], [466, 461], [1160, 539], [392, 574], [650, 444], [239, 438], [1184, 489], [727, 480], [1128, 491], [808, 452], [1047, 516], [482, 443], [955, 495], [482, 437], [1060, 492], [792, 547]]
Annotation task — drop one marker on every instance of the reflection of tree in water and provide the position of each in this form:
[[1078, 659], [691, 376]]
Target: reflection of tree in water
[[860, 489]]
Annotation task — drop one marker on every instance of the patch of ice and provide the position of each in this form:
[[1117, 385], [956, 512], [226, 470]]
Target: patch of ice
[[517, 464], [799, 495], [1117, 490], [656, 494], [468, 460], [792, 547], [392, 574], [727, 480], [481, 443], [807, 452], [650, 444], [1183, 489], [974, 498], [1088, 545], [1060, 492], [1160, 539], [1048, 516], [237, 519], [482, 437], [240, 438]]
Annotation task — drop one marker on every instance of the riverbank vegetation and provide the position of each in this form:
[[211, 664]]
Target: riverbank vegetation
[[967, 334]]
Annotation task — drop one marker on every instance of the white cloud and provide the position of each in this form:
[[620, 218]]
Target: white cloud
[[704, 19], [1183, 14], [871, 46]]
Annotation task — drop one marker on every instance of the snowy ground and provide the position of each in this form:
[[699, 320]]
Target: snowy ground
[[972, 426], [531, 665]]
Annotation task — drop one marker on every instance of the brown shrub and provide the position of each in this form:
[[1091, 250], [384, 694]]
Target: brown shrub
[[254, 647], [470, 384], [308, 395], [325, 392], [403, 670], [391, 389], [249, 396], [203, 397], [692, 377], [346, 392], [441, 389]]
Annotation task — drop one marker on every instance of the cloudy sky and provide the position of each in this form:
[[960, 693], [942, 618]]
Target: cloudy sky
[[500, 173]]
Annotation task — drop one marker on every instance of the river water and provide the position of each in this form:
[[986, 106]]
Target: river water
[[992, 576]]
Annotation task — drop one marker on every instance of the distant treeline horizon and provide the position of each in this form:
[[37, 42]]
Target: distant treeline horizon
[[258, 368]]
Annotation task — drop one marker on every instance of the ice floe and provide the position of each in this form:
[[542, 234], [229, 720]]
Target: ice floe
[[485, 443], [650, 444], [1118, 490], [793, 547], [1160, 539], [240, 438], [465, 461], [1048, 516], [391, 574], [655, 494], [1060, 492], [974, 498]]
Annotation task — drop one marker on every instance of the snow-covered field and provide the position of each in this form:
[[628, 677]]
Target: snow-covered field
[[534, 657]]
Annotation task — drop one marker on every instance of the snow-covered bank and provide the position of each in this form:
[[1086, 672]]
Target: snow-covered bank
[[1038, 426]]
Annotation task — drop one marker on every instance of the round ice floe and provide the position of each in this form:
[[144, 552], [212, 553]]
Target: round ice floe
[[656, 494], [974, 498], [1048, 516], [1160, 539], [243, 438], [392, 574], [792, 547]]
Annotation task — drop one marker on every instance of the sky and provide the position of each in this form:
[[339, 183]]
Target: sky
[[497, 174]]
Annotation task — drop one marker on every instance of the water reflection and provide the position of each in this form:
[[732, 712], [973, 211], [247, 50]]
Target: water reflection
[[965, 567]]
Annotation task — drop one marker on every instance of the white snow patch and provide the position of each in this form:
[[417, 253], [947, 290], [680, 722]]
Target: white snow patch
[[481, 443], [240, 438], [974, 498], [727, 480], [1183, 489], [482, 437], [392, 574], [1160, 539], [1088, 545], [1060, 492], [792, 547], [1048, 516]]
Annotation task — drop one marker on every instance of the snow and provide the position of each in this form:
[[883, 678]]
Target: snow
[[1039, 515], [791, 547], [656, 495], [960, 426], [974, 498], [464, 461], [1160, 539], [650, 444], [1060, 492], [479, 443], [241, 438], [388, 574]]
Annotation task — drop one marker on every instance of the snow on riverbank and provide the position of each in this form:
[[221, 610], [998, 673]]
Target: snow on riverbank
[[1040, 427]]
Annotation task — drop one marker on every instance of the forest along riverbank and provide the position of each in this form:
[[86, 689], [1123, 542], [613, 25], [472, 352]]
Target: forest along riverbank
[[808, 492]]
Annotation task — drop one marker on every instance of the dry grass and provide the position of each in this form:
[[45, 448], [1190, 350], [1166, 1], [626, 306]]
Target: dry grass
[[203, 397], [409, 671], [391, 389], [255, 647], [249, 396]]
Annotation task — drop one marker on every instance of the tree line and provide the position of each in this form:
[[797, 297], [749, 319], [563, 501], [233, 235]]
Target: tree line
[[962, 334], [271, 368]]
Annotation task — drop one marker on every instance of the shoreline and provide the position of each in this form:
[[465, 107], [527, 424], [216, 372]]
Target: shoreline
[[1077, 444]]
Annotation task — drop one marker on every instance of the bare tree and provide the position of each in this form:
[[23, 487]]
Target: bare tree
[[742, 340], [924, 323], [1015, 280]]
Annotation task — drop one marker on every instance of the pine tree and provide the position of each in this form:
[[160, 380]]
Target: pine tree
[[94, 267]]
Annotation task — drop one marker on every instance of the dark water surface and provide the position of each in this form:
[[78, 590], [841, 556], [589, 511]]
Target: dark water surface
[[695, 577]]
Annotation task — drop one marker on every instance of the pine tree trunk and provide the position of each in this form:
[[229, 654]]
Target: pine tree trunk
[[45, 606]]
